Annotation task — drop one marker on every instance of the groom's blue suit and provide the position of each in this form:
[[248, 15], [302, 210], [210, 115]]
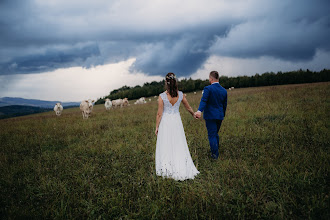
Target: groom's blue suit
[[214, 104]]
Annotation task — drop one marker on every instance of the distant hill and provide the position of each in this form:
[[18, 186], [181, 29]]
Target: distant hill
[[12, 107], [8, 101], [20, 110]]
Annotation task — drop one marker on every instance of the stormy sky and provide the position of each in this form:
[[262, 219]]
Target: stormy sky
[[69, 50]]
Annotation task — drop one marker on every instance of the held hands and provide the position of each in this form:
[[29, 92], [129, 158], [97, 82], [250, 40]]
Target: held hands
[[197, 115]]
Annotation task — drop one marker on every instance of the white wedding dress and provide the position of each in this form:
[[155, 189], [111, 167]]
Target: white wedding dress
[[173, 158]]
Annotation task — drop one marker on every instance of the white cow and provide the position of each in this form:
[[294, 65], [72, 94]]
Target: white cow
[[108, 104], [149, 100], [141, 100], [125, 102], [58, 108], [120, 102], [86, 108], [194, 93]]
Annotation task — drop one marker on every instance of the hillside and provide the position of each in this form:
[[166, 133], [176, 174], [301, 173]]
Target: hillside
[[274, 161], [6, 101], [20, 110]]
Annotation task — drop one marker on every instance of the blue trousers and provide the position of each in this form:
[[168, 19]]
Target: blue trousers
[[213, 127]]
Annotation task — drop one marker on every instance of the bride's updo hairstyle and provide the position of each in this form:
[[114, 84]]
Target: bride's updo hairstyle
[[171, 84]]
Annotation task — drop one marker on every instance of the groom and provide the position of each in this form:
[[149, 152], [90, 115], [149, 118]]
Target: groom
[[214, 104]]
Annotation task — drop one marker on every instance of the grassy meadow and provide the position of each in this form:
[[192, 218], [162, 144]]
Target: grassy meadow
[[274, 161]]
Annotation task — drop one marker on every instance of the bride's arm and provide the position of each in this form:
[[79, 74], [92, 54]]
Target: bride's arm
[[187, 106], [159, 113]]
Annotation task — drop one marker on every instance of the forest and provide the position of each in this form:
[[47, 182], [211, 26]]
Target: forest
[[189, 85]]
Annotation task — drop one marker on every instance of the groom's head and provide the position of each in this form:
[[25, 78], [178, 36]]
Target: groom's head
[[214, 77]]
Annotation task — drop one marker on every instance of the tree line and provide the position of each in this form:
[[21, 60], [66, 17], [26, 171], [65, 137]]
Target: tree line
[[189, 85]]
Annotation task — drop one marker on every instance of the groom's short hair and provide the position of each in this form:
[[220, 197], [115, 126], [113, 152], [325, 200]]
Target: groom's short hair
[[214, 74]]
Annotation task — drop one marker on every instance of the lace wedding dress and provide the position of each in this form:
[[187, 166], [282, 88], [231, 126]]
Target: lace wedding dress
[[173, 158]]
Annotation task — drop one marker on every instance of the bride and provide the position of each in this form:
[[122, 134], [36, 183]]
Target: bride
[[173, 158]]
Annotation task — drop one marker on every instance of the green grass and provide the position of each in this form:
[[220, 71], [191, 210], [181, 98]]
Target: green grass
[[274, 161]]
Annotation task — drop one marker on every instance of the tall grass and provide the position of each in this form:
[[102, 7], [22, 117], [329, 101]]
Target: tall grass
[[274, 161]]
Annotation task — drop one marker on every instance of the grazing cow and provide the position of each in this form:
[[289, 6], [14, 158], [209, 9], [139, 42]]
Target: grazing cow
[[149, 100], [86, 108], [108, 104], [140, 101], [194, 93], [117, 102], [58, 108], [125, 102], [120, 102]]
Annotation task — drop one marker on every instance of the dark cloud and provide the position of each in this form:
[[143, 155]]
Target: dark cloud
[[293, 34], [182, 54], [43, 36], [51, 59]]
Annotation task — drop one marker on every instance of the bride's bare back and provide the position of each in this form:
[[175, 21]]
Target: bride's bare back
[[171, 99]]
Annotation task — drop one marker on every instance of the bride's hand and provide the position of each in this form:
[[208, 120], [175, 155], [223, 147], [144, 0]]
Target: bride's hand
[[156, 131]]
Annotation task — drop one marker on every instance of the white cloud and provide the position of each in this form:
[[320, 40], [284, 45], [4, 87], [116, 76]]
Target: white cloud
[[77, 83], [229, 66], [74, 84]]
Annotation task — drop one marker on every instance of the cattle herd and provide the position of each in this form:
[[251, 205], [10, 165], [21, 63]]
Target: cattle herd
[[86, 106]]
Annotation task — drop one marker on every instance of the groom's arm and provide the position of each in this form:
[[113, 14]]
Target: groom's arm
[[204, 99]]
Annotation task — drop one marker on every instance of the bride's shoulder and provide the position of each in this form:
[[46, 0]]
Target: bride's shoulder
[[162, 94]]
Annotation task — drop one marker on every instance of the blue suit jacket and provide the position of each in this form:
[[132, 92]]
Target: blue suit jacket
[[214, 102]]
